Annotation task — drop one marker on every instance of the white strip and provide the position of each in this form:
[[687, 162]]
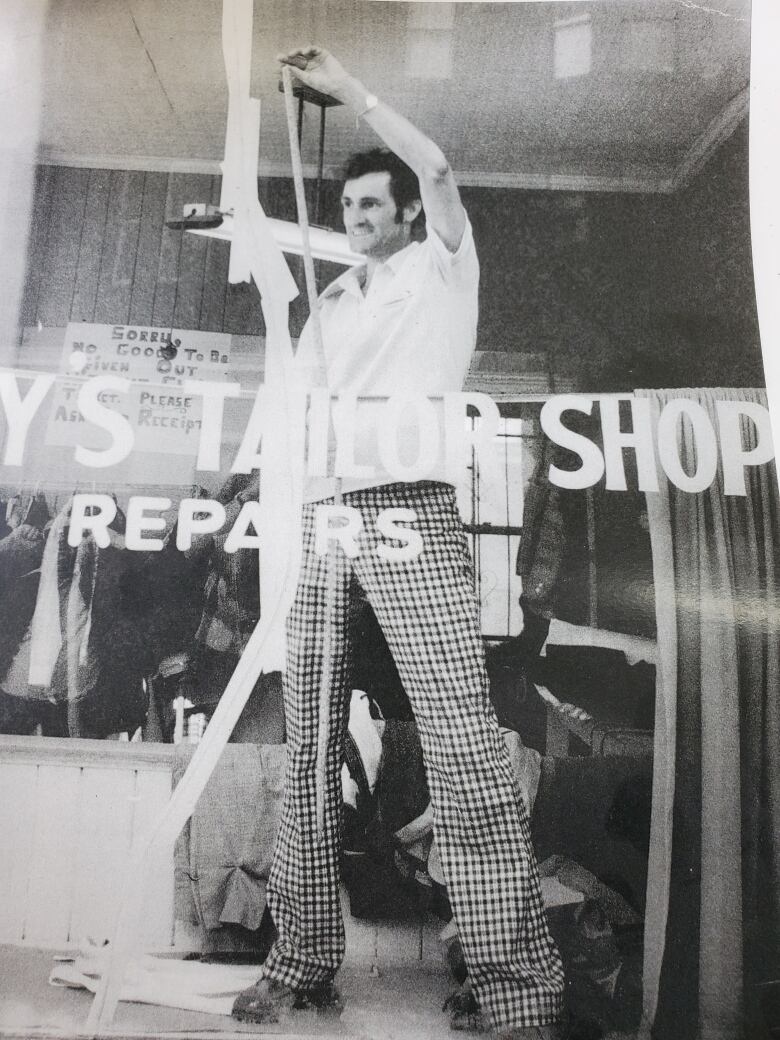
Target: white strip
[[279, 563], [325, 245]]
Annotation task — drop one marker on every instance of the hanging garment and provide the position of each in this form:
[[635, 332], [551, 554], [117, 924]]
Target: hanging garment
[[231, 598], [363, 751], [223, 855], [19, 707], [49, 617], [104, 618], [552, 558], [230, 612], [104, 656], [165, 590], [13, 509], [20, 556], [35, 511], [373, 667], [21, 551], [4, 526]]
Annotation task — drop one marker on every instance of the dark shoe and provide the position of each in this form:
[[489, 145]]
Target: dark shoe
[[269, 1001], [465, 1015]]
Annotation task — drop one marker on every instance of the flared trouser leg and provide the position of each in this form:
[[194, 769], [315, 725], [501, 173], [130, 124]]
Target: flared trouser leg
[[428, 612]]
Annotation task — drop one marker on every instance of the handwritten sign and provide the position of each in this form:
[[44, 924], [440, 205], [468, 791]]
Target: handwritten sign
[[157, 361]]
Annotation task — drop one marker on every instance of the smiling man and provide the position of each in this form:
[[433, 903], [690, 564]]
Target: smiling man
[[403, 321]]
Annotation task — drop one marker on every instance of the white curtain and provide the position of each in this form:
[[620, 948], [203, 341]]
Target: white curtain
[[716, 792]]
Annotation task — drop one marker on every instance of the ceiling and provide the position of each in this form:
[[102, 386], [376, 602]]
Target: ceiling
[[617, 94]]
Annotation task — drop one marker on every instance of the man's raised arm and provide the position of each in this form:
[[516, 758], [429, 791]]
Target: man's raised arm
[[440, 198]]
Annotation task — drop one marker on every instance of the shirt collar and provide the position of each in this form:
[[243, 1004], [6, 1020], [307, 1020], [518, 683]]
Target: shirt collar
[[350, 280]]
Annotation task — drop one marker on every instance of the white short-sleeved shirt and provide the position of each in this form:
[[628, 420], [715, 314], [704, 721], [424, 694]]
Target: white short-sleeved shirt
[[414, 331]]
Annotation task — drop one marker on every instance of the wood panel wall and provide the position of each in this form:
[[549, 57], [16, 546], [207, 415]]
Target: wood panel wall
[[70, 811], [99, 251]]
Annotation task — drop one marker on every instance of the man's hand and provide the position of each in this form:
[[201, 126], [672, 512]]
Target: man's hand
[[317, 68]]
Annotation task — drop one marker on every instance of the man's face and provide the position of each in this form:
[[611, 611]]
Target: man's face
[[370, 217]]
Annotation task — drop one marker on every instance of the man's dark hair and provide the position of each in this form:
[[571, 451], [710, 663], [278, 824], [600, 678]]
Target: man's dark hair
[[404, 185]]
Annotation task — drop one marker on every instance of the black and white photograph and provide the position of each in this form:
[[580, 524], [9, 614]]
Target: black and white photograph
[[389, 522]]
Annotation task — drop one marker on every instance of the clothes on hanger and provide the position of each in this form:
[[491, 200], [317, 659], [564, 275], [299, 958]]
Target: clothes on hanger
[[101, 621], [231, 599], [48, 618], [21, 551]]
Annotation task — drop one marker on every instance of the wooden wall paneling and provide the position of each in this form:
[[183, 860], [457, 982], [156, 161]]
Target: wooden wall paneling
[[62, 248], [53, 858], [120, 246], [155, 193], [36, 244], [105, 819], [189, 297], [182, 188], [167, 258], [152, 793], [91, 237], [215, 274], [17, 813]]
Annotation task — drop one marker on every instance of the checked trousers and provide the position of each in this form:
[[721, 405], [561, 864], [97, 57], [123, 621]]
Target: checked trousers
[[428, 612]]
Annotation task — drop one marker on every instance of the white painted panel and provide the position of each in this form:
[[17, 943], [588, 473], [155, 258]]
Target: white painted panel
[[105, 827], [18, 783], [152, 792], [55, 840]]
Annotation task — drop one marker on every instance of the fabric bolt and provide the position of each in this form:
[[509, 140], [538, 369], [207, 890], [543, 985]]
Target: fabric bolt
[[428, 612]]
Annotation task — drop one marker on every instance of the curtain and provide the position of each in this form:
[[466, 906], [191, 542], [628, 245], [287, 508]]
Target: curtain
[[714, 873]]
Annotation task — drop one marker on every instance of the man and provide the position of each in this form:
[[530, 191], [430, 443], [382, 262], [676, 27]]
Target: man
[[404, 321]]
